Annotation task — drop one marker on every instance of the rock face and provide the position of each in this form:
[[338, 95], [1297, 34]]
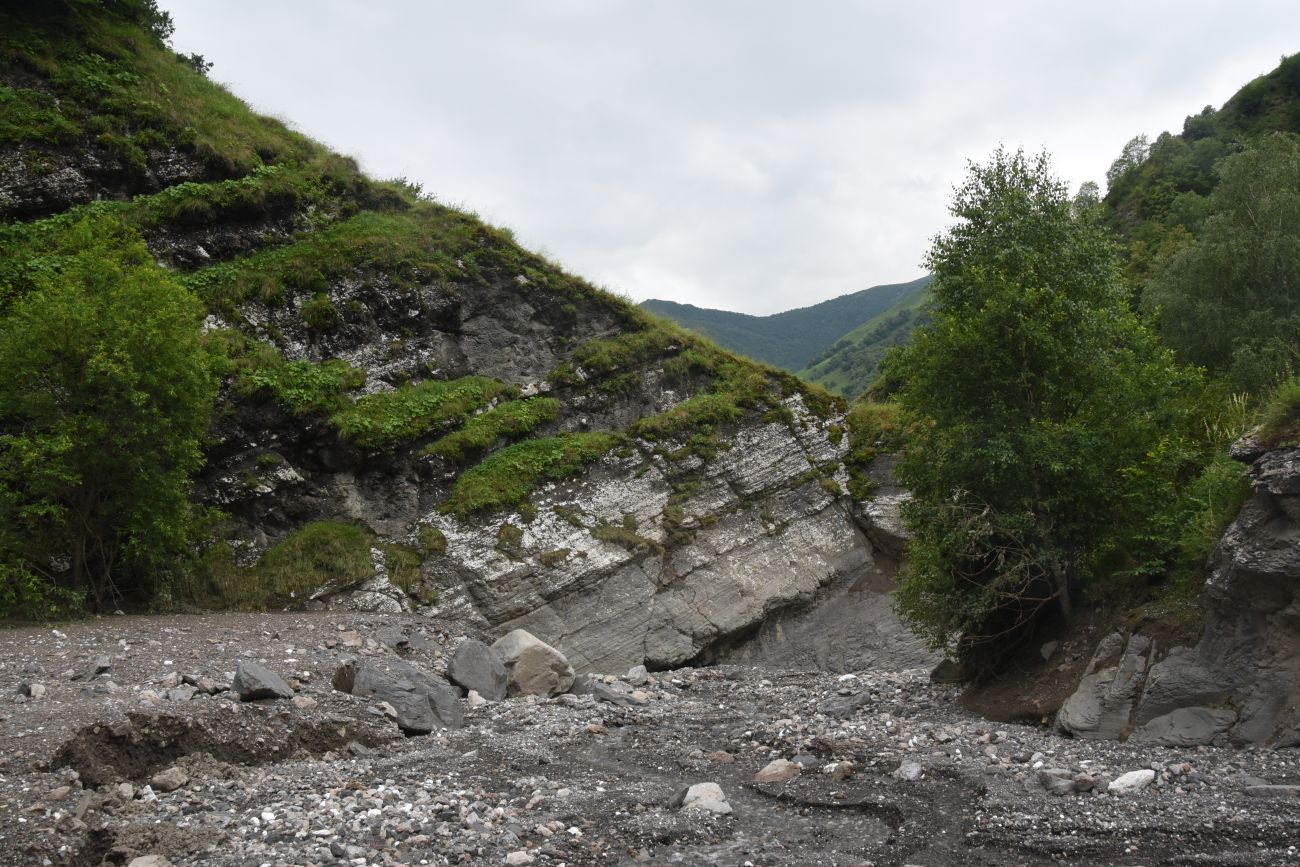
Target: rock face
[[1241, 682], [532, 666]]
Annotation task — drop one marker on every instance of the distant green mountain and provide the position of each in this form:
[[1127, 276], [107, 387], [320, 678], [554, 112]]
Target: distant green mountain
[[851, 363], [789, 340]]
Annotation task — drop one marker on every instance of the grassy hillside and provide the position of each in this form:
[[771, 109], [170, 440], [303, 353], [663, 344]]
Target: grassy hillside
[[336, 329], [791, 339], [849, 365]]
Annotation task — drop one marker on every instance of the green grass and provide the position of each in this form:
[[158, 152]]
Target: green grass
[[509, 420], [1280, 416], [506, 478], [873, 427], [411, 411], [257, 368]]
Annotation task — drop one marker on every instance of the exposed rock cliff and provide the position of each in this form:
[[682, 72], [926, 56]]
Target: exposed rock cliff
[[1241, 682]]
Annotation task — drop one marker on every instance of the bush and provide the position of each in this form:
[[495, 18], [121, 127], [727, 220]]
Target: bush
[[105, 399]]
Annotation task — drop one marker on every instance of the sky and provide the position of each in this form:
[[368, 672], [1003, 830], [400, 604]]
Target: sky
[[748, 155]]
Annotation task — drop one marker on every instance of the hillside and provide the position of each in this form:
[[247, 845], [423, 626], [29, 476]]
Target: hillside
[[1156, 190], [790, 339], [359, 397], [849, 365]]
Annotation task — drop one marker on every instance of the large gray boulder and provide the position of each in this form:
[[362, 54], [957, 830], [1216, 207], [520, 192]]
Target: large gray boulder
[[475, 666], [1102, 706], [253, 681], [423, 702], [533, 667]]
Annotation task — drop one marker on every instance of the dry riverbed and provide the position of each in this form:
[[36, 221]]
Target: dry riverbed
[[119, 741]]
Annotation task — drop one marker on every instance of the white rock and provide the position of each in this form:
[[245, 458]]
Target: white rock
[[520, 857], [706, 797], [1133, 781]]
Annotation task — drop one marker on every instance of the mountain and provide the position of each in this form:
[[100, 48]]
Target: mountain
[[849, 365], [791, 339], [378, 402]]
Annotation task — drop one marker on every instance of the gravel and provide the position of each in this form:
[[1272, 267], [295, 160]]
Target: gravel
[[897, 774]]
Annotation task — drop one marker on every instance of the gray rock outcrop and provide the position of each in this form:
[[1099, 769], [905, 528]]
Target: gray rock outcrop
[[422, 702], [1241, 682]]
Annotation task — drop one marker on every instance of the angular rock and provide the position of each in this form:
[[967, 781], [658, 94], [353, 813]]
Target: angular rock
[[97, 666], [604, 692], [909, 772], [421, 702], [1133, 781], [778, 771], [253, 682], [1273, 792], [1102, 705], [1057, 781], [704, 797], [475, 666], [533, 667], [169, 780], [842, 708]]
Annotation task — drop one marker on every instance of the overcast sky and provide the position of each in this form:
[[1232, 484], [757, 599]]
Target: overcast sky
[[742, 154]]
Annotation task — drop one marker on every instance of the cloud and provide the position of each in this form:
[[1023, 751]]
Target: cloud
[[754, 155]]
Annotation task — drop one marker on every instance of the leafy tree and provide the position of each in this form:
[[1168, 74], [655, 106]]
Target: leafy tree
[[105, 395], [1040, 411], [1135, 152], [1230, 299]]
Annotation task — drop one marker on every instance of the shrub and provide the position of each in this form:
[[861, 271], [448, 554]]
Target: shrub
[[386, 418], [508, 420]]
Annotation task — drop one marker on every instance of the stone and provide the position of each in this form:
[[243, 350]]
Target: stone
[[1276, 792], [1186, 727], [722, 757], [125, 791], [253, 681], [150, 861], [518, 858], [475, 666], [616, 696], [704, 797], [1048, 650], [58, 794], [533, 667], [305, 702], [421, 702], [169, 780], [778, 771], [1133, 781], [97, 666], [1102, 705], [908, 772], [1057, 781], [947, 671], [843, 771], [181, 693], [637, 675], [474, 699]]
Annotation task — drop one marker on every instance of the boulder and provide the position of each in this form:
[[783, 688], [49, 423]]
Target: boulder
[[705, 798], [1102, 705], [475, 666], [604, 692], [533, 667], [253, 681], [1186, 727], [1133, 781], [169, 780], [421, 702], [778, 771]]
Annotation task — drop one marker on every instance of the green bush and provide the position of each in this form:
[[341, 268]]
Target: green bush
[[1280, 416], [320, 314], [390, 417], [508, 420]]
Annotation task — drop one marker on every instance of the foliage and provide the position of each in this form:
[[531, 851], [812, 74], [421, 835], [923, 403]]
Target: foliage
[[106, 395], [304, 387], [509, 420], [1043, 415], [389, 417], [507, 477], [1230, 299], [873, 427], [320, 314]]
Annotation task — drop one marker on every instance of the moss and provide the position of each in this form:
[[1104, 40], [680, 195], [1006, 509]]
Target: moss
[[509, 420], [779, 414], [873, 427], [304, 387], [510, 539], [433, 542], [387, 418], [835, 434], [551, 559], [572, 517], [830, 486], [403, 567], [507, 477], [625, 537]]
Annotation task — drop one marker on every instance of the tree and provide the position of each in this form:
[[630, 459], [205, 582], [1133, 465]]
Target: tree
[[1040, 411], [1135, 152], [1230, 299], [105, 395]]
